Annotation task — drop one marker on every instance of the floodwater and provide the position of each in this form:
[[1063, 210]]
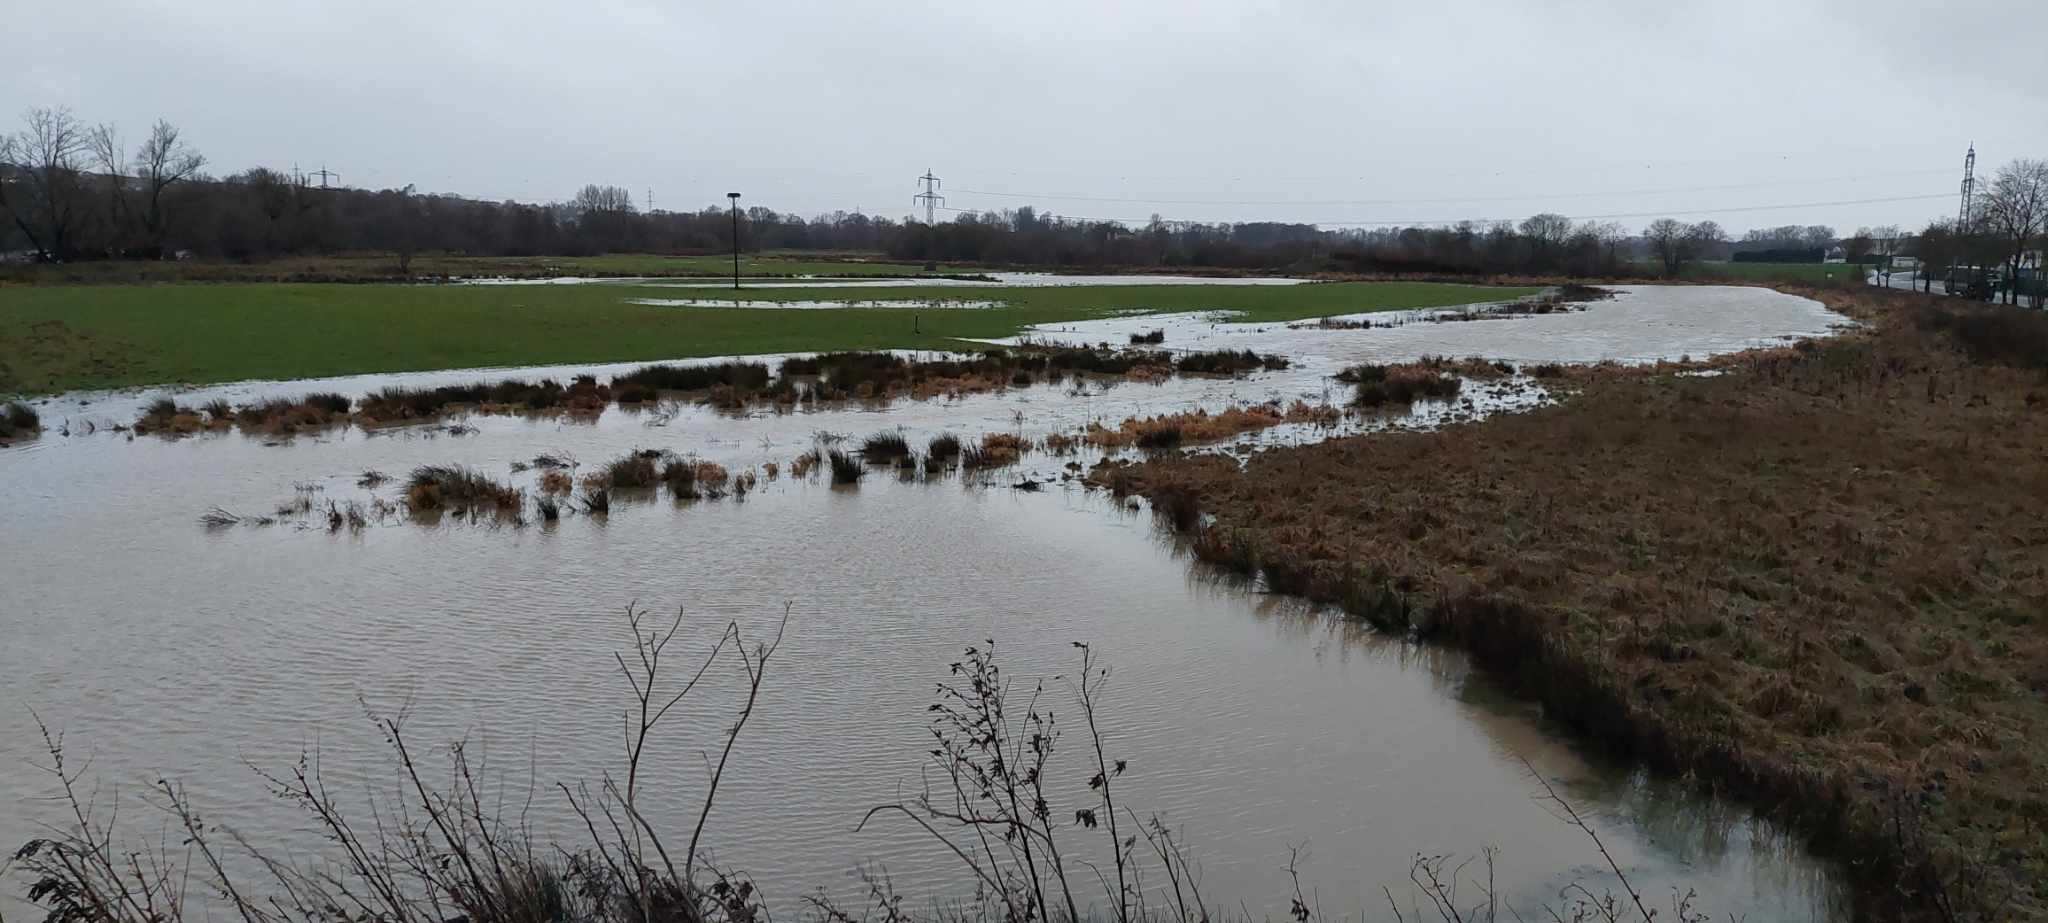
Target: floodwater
[[1642, 323], [1251, 722]]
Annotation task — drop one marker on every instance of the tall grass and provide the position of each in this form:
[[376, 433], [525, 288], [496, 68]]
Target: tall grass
[[846, 469], [885, 446], [943, 446]]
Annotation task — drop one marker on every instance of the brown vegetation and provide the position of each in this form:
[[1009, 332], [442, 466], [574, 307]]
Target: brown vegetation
[[1168, 430], [1818, 581], [441, 487]]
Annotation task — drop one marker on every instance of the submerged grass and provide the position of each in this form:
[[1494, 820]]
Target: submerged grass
[[448, 487], [19, 419], [1406, 383], [885, 447], [1226, 362], [846, 469], [633, 470], [1814, 581]]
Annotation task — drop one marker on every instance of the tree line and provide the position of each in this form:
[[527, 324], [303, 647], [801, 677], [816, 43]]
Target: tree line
[[73, 191]]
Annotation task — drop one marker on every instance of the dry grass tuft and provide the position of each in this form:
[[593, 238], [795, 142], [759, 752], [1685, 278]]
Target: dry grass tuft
[[446, 487], [1197, 426]]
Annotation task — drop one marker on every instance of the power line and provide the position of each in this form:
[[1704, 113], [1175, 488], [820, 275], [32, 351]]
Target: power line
[[1420, 222], [1447, 200]]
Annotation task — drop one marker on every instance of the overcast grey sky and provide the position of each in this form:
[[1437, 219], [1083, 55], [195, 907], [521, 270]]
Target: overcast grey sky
[[1331, 112]]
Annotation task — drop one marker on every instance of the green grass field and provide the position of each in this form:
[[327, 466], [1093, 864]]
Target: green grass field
[[62, 338]]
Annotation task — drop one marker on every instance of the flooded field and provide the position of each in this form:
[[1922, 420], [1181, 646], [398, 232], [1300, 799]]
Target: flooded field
[[1253, 722]]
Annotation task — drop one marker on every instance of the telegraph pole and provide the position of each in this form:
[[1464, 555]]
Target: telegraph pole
[[735, 197]]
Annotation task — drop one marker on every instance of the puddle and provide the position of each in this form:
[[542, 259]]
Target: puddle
[[1252, 722], [940, 304]]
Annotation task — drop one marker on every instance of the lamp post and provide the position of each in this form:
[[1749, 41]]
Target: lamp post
[[735, 197]]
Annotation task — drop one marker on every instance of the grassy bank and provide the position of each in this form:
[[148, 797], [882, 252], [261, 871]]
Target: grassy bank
[[1816, 581], [59, 338]]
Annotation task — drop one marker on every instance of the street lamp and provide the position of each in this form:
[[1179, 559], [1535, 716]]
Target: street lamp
[[735, 197]]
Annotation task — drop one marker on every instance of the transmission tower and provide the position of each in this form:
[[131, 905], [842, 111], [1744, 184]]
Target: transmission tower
[[650, 200], [325, 175], [1969, 187], [930, 197]]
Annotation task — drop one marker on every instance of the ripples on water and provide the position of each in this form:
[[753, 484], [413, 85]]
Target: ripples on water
[[1253, 721]]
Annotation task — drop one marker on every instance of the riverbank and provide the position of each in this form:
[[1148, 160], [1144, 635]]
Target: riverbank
[[1814, 580], [62, 338]]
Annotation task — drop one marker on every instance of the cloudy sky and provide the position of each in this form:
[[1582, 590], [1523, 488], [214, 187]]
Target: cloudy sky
[[1329, 112]]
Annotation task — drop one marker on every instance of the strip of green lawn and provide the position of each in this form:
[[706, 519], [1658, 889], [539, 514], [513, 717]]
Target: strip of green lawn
[[63, 338]]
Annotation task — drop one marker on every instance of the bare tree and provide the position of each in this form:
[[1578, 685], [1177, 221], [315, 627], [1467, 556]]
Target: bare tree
[[604, 199], [161, 162], [2015, 212], [1937, 249], [1706, 238], [112, 159], [1668, 241], [1547, 234], [41, 188], [1859, 247], [1884, 244]]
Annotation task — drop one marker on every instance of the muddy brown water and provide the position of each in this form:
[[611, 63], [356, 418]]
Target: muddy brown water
[[1252, 722]]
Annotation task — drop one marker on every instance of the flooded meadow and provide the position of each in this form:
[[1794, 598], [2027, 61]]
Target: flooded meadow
[[1257, 725]]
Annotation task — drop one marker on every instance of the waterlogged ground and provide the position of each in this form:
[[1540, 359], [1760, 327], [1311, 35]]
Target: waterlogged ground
[[1254, 723]]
